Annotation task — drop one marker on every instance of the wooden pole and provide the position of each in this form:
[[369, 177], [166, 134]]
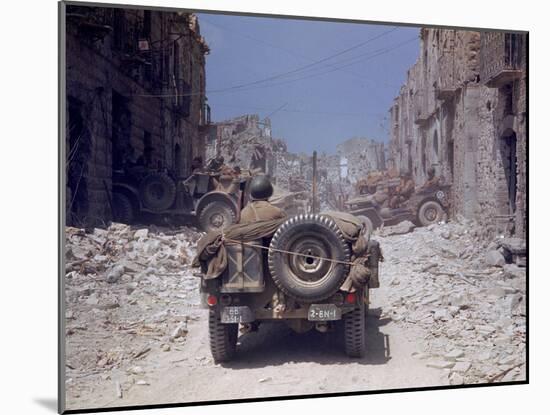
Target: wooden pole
[[314, 184]]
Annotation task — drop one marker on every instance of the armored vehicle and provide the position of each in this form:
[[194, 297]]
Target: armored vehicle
[[309, 271], [204, 196], [424, 207]]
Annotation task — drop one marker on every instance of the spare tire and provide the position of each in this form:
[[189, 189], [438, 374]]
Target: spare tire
[[216, 215], [308, 278], [157, 191]]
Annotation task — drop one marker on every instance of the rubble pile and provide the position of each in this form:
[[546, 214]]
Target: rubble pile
[[245, 142], [467, 311], [128, 292]]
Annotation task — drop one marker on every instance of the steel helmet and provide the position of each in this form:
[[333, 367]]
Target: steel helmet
[[261, 188]]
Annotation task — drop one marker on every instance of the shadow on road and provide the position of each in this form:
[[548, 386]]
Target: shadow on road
[[276, 344]]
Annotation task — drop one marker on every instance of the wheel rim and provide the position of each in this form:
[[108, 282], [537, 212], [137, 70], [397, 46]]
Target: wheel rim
[[217, 220], [431, 214], [309, 269]]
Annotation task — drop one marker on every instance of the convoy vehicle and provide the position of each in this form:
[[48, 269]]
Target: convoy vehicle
[[424, 207], [139, 192], [298, 275]]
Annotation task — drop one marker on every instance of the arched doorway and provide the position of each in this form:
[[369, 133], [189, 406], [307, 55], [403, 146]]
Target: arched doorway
[[507, 146]]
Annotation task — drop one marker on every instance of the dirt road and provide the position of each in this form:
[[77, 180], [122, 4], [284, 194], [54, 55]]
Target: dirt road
[[276, 361], [426, 327]]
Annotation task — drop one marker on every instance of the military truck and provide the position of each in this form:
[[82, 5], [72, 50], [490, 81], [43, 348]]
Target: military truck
[[424, 207], [299, 271], [139, 191]]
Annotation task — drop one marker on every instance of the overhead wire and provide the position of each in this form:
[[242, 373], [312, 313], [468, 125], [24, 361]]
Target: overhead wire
[[304, 67], [288, 51], [354, 61]]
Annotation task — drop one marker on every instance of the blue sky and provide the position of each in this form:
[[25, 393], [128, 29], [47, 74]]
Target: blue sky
[[319, 82]]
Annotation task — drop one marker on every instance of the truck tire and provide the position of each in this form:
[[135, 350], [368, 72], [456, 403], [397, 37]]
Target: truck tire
[[430, 212], [369, 227], [157, 191], [303, 278], [355, 331], [216, 215], [123, 210], [223, 338]]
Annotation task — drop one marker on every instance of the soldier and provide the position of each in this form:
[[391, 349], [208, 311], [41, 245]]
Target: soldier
[[403, 191], [259, 209], [362, 186], [215, 164], [432, 181]]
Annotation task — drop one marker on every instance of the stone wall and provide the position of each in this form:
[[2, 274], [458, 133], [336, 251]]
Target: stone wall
[[135, 93], [245, 142], [453, 116]]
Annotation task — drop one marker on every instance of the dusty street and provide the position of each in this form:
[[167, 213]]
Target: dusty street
[[136, 333]]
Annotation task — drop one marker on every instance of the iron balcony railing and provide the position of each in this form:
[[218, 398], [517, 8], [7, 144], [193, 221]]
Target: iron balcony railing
[[502, 57]]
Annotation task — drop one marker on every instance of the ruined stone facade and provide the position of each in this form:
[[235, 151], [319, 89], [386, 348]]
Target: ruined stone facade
[[359, 156], [463, 111], [135, 83], [337, 174], [245, 142]]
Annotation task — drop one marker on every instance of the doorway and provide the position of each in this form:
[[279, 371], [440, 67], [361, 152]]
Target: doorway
[[79, 149], [509, 165]]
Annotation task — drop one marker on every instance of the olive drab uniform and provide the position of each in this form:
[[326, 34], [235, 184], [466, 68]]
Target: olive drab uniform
[[260, 210], [431, 182], [402, 192]]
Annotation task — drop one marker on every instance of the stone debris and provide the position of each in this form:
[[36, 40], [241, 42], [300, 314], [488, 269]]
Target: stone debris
[[128, 292], [399, 229], [454, 354], [461, 367], [456, 378], [440, 364], [494, 258], [179, 331], [469, 312]]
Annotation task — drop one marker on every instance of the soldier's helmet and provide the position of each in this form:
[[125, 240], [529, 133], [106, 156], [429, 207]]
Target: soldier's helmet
[[261, 188]]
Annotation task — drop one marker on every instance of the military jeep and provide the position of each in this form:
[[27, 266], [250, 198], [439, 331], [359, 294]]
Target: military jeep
[[300, 274], [424, 207], [139, 191]]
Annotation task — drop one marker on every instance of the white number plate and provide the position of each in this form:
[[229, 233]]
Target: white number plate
[[324, 312]]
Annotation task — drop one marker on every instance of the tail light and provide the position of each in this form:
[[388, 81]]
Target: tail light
[[351, 298], [211, 300]]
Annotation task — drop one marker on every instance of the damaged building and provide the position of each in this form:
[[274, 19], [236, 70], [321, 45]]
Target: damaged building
[[135, 88], [337, 174], [359, 156], [245, 142], [462, 110]]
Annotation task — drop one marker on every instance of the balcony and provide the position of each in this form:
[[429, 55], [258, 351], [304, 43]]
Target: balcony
[[92, 23], [502, 58]]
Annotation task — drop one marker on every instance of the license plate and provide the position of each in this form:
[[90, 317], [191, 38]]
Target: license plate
[[236, 314], [324, 312]]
